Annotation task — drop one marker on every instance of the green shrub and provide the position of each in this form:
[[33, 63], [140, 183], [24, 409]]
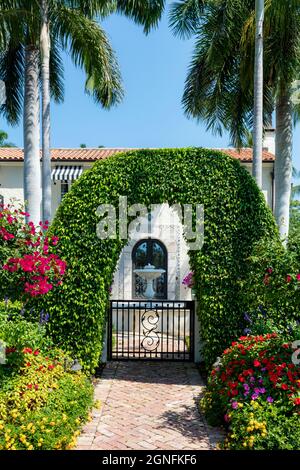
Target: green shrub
[[236, 216], [255, 392], [273, 286], [16, 332]]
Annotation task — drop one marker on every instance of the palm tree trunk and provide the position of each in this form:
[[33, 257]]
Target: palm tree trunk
[[32, 167], [283, 162], [258, 95], [46, 153]]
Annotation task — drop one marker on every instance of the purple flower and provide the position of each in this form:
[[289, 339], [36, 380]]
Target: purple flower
[[263, 369], [246, 387], [247, 331], [262, 390], [44, 317], [270, 400], [246, 394], [260, 381], [254, 396], [262, 310], [234, 405], [247, 318], [252, 379]]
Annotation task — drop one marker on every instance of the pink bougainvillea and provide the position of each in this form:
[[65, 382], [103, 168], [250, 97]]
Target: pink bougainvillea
[[26, 255], [188, 280]]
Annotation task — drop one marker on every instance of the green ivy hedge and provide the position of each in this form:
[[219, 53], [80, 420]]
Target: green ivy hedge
[[236, 216]]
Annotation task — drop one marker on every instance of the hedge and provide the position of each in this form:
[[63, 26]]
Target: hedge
[[236, 217]]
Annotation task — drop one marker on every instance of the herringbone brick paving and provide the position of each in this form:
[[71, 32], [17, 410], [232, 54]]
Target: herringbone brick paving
[[148, 405]]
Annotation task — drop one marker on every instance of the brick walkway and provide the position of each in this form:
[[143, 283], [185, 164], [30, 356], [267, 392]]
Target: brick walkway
[[148, 405]]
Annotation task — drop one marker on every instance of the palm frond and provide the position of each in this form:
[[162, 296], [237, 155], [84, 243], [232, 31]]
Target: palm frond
[[185, 16], [91, 8], [90, 49], [144, 12], [12, 63]]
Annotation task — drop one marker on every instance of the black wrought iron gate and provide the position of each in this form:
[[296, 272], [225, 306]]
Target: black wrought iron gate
[[156, 330]]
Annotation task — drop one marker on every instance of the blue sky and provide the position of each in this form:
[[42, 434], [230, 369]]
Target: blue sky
[[153, 69]]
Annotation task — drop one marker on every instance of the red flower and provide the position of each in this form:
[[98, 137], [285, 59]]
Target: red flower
[[284, 387], [29, 386], [288, 278], [266, 280], [27, 350], [297, 401], [36, 352], [298, 277], [28, 364], [50, 367], [256, 363]]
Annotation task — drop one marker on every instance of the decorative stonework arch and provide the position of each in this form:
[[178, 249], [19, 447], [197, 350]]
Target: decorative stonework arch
[[236, 217]]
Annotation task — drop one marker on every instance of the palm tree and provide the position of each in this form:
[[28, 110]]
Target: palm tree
[[73, 28], [3, 140], [46, 99], [219, 86], [258, 95]]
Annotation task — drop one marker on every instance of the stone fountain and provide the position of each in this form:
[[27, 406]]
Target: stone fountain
[[149, 273]]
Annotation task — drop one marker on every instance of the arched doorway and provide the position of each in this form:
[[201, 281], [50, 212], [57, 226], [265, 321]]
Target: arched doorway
[[150, 251]]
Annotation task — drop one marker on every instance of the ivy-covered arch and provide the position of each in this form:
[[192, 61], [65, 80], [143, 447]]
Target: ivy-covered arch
[[236, 217]]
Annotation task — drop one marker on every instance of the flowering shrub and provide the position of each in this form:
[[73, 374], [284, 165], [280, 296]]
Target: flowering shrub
[[188, 280], [42, 405], [29, 268], [256, 372]]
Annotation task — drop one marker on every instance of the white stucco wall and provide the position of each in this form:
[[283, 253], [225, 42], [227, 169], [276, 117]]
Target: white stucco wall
[[267, 181], [11, 181]]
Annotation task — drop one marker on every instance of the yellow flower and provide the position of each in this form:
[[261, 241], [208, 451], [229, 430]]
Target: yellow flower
[[30, 447], [52, 423]]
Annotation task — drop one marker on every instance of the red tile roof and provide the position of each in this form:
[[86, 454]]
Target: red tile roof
[[93, 154]]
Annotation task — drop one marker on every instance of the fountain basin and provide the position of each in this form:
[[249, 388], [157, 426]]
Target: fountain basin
[[149, 273]]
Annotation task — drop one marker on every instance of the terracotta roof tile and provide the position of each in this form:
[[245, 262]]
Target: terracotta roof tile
[[93, 154]]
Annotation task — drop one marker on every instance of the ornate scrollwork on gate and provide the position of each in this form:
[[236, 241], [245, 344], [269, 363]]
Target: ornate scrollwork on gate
[[151, 340]]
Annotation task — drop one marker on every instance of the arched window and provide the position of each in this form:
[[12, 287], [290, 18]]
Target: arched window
[[154, 252]]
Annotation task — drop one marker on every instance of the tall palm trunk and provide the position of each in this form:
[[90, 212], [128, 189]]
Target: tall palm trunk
[[45, 71], [32, 167], [258, 95], [283, 162]]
